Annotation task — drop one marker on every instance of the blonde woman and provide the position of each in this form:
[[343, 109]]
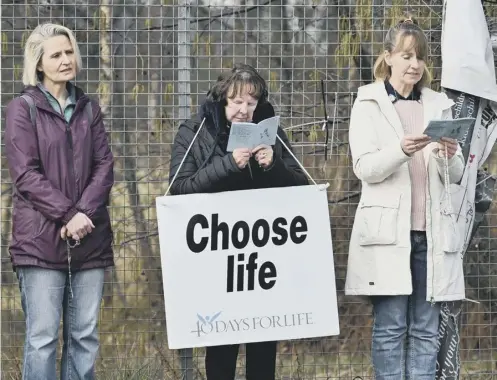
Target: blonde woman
[[62, 172], [402, 251]]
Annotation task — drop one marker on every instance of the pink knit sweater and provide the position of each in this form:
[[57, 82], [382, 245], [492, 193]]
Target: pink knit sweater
[[411, 117]]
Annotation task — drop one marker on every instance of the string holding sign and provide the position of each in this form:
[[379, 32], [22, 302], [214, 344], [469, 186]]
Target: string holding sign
[[184, 157]]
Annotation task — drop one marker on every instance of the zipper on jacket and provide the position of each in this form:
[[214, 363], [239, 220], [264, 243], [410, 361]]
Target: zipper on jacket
[[71, 159], [71, 147], [69, 137]]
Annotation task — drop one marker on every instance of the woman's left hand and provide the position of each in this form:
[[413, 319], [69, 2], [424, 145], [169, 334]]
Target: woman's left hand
[[451, 145], [263, 155]]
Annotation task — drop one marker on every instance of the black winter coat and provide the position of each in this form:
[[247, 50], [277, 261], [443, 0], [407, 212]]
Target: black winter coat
[[208, 168]]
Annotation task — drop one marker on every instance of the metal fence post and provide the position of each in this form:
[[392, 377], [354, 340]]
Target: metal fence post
[[184, 49]]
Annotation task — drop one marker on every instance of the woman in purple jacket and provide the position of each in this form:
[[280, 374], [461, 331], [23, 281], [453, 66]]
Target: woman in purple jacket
[[62, 173]]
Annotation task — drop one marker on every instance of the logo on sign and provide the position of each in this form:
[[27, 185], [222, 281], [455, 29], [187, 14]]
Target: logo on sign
[[207, 320], [213, 325]]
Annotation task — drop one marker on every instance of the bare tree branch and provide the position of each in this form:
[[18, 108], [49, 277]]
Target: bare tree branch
[[219, 15], [346, 198]]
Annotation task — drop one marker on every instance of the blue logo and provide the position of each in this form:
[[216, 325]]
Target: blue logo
[[205, 324], [207, 320]]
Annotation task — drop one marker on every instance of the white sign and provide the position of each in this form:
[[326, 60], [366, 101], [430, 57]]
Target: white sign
[[467, 56], [247, 266]]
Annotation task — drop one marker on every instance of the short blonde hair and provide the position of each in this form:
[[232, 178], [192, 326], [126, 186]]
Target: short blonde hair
[[33, 51], [408, 27]]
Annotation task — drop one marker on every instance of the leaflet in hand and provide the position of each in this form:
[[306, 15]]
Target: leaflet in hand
[[250, 135], [457, 129]]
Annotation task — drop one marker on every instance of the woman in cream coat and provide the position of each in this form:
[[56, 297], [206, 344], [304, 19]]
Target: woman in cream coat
[[404, 249]]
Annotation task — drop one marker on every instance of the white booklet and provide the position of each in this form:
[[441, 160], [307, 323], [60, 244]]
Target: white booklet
[[250, 135]]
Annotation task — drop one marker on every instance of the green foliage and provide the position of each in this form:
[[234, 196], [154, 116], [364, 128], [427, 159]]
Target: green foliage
[[168, 94], [348, 48], [200, 41], [395, 13], [157, 125], [138, 88], [313, 134], [315, 78], [273, 81], [196, 39], [27, 11], [398, 11], [96, 19], [103, 90], [17, 71], [227, 63], [24, 38], [364, 18], [208, 46], [5, 43], [490, 9]]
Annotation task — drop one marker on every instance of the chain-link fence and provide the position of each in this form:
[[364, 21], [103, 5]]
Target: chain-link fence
[[150, 63]]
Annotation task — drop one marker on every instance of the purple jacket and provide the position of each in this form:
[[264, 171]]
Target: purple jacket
[[58, 169]]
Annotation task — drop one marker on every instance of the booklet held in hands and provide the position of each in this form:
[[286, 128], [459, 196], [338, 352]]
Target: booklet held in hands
[[457, 129], [250, 135]]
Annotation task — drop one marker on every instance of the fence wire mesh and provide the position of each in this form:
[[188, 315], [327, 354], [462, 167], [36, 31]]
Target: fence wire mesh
[[150, 63]]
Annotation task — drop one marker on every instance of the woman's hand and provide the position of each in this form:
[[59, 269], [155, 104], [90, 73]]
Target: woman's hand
[[412, 143], [78, 227], [263, 155], [63, 233], [451, 145], [242, 157]]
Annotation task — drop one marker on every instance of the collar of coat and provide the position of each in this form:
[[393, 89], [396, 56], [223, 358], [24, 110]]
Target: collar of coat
[[40, 99], [415, 94], [434, 104]]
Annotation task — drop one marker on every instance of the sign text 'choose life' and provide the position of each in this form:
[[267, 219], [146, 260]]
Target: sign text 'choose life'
[[202, 232]]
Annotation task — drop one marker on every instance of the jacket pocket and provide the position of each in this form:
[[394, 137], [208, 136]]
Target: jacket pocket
[[25, 222], [455, 218], [378, 218]]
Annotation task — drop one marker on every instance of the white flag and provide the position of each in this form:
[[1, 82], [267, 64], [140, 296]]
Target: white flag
[[467, 57]]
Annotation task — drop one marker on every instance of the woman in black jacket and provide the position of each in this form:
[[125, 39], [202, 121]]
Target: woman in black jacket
[[239, 95]]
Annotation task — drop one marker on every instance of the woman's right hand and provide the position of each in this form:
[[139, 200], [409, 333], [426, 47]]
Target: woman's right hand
[[79, 226], [242, 157], [412, 143]]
